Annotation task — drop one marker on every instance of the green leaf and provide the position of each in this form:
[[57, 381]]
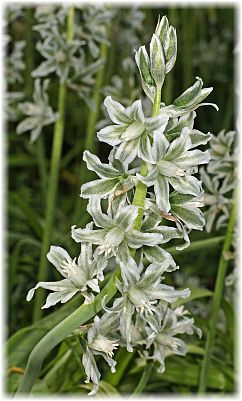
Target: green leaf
[[20, 345], [31, 217]]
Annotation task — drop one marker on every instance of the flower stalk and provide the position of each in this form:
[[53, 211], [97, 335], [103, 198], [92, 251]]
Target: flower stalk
[[223, 263], [82, 314], [132, 232], [53, 178]]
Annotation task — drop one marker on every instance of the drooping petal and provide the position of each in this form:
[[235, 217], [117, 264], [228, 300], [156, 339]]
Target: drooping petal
[[168, 293], [56, 297], [27, 124], [193, 218], [91, 369], [61, 288], [199, 138]]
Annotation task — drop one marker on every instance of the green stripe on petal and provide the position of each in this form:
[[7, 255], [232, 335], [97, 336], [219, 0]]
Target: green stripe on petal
[[161, 189], [95, 237], [101, 169], [101, 188], [193, 218], [127, 151], [111, 134], [186, 185], [136, 239], [190, 96], [100, 219], [116, 111]]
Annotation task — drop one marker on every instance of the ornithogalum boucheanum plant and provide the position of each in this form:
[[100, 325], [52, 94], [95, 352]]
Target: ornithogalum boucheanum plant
[[148, 181]]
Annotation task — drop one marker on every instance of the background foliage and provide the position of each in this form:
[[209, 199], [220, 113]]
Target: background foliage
[[206, 47]]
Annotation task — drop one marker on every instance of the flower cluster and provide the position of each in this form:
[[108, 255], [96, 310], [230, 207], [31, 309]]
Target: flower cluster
[[131, 234], [39, 112], [219, 179]]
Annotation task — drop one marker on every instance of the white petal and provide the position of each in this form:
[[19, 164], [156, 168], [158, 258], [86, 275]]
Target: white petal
[[57, 256]]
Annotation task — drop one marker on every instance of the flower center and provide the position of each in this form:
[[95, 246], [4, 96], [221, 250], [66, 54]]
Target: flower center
[[112, 239], [74, 273], [133, 131], [169, 169], [105, 345]]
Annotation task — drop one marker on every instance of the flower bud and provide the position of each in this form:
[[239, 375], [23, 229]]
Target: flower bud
[[157, 61]]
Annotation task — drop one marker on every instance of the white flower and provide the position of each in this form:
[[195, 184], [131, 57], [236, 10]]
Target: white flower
[[116, 233], [170, 163], [39, 112], [164, 341], [140, 294], [79, 276], [114, 177], [132, 130]]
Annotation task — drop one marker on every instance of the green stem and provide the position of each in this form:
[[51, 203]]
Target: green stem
[[144, 379], [197, 246], [39, 147], [223, 263], [40, 155], [73, 321], [53, 179]]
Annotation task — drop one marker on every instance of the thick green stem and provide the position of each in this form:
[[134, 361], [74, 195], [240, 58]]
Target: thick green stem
[[197, 246], [53, 179], [223, 263], [144, 379], [29, 61], [77, 318]]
